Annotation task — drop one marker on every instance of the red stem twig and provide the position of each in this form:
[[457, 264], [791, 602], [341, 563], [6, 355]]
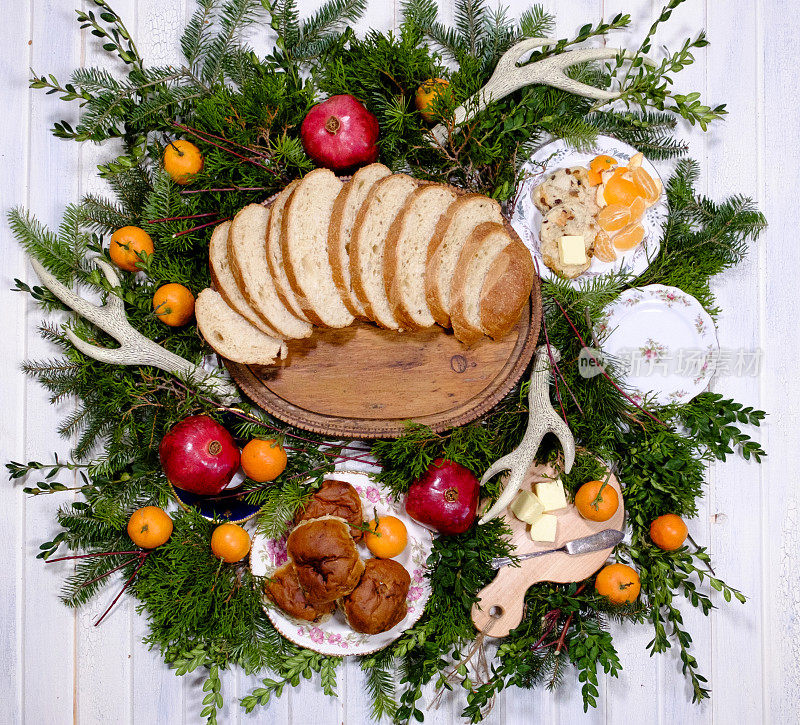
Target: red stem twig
[[91, 556], [202, 136], [227, 188], [202, 226], [178, 218], [143, 558]]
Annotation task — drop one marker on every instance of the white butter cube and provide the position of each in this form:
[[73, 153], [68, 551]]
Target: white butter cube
[[544, 528], [552, 495], [572, 250], [527, 507]]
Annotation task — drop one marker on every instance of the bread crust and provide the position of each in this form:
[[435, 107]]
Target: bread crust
[[462, 328], [390, 259], [435, 254], [334, 240], [506, 289]]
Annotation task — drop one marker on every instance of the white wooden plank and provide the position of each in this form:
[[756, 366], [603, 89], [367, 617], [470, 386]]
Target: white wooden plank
[[780, 336], [735, 531], [14, 130], [49, 639]]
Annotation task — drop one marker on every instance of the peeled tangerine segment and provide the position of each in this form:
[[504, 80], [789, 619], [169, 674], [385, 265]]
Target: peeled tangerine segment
[[620, 191], [629, 237], [638, 208], [646, 185], [602, 163], [603, 248], [614, 217]]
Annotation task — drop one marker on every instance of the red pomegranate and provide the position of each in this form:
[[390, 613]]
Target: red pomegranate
[[340, 133], [444, 498], [198, 455]]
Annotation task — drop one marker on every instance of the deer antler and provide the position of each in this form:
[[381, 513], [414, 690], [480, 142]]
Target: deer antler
[[135, 348], [508, 77]]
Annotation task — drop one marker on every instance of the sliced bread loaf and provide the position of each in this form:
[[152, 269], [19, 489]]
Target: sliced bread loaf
[[345, 209], [483, 245], [304, 240], [231, 335], [225, 283], [275, 252], [247, 253], [406, 254], [506, 289], [382, 205], [452, 231]]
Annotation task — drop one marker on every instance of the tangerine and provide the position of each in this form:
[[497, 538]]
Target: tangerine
[[597, 501], [263, 460], [647, 186], [182, 160], [602, 163], [603, 248], [619, 582], [595, 178], [638, 208], [173, 304], [149, 527], [635, 161], [127, 246], [230, 543], [619, 190], [387, 537], [629, 237], [614, 217], [668, 532], [426, 94]]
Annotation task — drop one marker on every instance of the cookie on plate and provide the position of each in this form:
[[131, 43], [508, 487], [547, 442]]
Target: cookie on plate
[[569, 185], [567, 219]]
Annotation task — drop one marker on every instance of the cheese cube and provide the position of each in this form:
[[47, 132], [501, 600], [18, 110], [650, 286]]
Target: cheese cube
[[552, 495], [572, 250], [527, 507], [544, 528]]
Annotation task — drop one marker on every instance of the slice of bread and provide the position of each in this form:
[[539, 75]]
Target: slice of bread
[[506, 289], [275, 252], [452, 231], [231, 335], [382, 205], [345, 209], [248, 258], [406, 254], [485, 242], [225, 283], [306, 218]]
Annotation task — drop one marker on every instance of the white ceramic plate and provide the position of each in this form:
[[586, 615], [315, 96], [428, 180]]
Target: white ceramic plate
[[527, 219], [333, 636], [664, 341]]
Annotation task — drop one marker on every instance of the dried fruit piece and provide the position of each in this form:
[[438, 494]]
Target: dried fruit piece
[[603, 248], [629, 237], [647, 186], [614, 217]]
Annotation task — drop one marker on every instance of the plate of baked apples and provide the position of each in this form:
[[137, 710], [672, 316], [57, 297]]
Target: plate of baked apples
[[348, 578]]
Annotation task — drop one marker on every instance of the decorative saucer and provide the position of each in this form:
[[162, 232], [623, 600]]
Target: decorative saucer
[[527, 219], [662, 340], [333, 636]]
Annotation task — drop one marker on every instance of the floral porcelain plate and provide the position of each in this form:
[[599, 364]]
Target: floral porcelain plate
[[527, 219], [333, 636], [662, 340]]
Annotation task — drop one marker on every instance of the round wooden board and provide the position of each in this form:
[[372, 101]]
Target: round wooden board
[[501, 604], [366, 382]]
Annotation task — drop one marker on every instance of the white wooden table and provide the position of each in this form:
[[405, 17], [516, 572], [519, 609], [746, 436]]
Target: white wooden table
[[59, 668]]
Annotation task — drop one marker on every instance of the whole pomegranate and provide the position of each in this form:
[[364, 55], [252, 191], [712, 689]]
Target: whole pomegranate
[[198, 455], [340, 133], [444, 498]]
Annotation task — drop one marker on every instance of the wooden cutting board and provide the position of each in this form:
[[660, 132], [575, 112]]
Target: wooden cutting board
[[365, 382], [500, 605]]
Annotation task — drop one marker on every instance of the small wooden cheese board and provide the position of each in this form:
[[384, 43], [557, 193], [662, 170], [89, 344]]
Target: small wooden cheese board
[[366, 382], [501, 604]]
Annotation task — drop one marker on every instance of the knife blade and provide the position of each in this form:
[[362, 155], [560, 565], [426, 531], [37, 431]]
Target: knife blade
[[606, 539]]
